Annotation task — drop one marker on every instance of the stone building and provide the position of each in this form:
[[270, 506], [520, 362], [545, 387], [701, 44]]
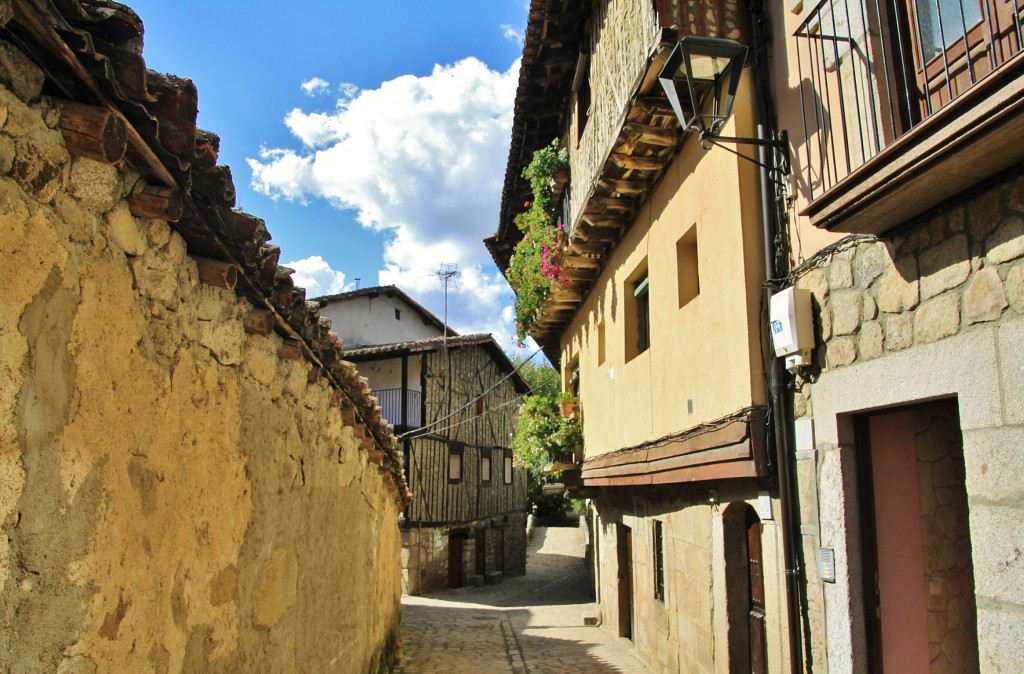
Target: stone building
[[453, 402], [659, 332], [885, 513], [192, 479], [907, 226]]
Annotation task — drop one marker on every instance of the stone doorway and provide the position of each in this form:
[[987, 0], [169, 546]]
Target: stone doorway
[[920, 612]]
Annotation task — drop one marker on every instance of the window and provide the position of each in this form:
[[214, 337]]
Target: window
[[686, 267], [398, 314], [873, 70], [480, 404], [455, 453], [637, 325], [600, 343], [643, 314], [659, 561], [507, 472], [485, 465], [581, 88]]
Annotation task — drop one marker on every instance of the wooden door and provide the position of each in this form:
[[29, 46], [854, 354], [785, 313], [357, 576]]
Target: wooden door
[[499, 549], [955, 44], [454, 561], [624, 550], [755, 598], [912, 485], [481, 552]]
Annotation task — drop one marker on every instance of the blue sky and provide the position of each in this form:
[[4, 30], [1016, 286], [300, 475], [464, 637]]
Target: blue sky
[[371, 137]]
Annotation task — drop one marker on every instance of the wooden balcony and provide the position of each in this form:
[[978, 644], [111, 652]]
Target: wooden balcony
[[893, 123], [390, 401]]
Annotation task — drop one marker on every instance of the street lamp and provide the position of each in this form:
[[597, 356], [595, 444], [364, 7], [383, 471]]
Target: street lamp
[[700, 78]]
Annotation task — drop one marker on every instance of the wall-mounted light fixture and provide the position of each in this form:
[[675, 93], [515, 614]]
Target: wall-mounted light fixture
[[700, 78]]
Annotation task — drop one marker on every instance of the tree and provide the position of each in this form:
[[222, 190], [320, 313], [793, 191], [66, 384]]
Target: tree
[[541, 433]]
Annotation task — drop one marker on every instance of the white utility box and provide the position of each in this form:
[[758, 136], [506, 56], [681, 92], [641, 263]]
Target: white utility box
[[792, 326]]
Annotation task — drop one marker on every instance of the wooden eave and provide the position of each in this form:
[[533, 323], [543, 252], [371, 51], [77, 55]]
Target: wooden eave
[[551, 47], [91, 54], [732, 448], [648, 139]]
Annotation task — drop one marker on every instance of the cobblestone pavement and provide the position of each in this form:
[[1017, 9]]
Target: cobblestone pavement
[[527, 625]]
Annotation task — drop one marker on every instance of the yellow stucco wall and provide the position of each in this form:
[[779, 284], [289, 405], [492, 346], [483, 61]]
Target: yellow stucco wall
[[173, 496], [705, 350]]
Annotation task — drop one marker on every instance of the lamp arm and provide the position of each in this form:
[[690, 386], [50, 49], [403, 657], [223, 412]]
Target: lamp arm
[[781, 143]]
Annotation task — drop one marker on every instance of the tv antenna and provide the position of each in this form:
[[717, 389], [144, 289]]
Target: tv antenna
[[448, 274]]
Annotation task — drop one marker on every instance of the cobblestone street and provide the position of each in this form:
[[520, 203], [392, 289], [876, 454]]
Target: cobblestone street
[[532, 624]]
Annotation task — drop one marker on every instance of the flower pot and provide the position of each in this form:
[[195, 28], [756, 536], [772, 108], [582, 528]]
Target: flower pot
[[568, 409]]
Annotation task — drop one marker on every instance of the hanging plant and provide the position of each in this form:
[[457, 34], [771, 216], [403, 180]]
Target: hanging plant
[[537, 264]]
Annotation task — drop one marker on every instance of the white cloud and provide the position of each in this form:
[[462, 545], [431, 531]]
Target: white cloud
[[314, 86], [421, 160], [316, 276], [511, 34]]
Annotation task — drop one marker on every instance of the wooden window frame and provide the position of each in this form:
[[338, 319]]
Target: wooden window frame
[[485, 460], [456, 449], [658, 560], [507, 466], [642, 297]]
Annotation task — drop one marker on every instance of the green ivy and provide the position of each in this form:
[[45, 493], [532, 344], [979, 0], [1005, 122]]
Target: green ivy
[[537, 262], [543, 434]]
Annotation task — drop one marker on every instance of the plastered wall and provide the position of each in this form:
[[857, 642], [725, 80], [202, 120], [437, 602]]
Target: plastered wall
[[173, 496]]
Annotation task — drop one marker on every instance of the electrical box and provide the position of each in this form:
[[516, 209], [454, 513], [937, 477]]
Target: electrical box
[[792, 326]]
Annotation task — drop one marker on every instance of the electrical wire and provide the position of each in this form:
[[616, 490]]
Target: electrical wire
[[425, 429], [489, 410]]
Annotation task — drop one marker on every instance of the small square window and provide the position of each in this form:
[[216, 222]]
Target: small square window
[[687, 267], [485, 465], [455, 453]]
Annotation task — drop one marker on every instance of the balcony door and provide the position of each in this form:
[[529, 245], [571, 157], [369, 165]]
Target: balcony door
[[955, 43]]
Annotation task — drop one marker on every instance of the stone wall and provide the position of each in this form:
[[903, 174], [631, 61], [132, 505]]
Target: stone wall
[[174, 497], [703, 615], [947, 274], [936, 310], [427, 548]]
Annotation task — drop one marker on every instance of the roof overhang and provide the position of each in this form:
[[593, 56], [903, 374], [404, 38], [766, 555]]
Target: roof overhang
[[733, 448]]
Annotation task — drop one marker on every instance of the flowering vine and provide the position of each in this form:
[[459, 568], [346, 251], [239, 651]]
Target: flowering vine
[[537, 264]]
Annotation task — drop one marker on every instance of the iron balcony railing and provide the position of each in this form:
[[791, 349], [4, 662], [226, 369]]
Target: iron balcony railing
[[871, 70], [390, 401]]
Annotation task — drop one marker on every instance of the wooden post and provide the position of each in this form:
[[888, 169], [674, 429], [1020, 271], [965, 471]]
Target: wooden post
[[216, 273], [155, 201], [259, 322], [93, 132]]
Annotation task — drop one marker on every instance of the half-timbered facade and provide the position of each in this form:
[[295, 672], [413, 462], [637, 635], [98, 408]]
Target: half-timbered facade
[[453, 401]]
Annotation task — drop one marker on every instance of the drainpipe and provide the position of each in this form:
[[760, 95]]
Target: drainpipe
[[780, 413]]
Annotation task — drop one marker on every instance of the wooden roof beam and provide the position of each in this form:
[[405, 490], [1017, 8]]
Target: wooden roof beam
[[652, 135], [637, 163]]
